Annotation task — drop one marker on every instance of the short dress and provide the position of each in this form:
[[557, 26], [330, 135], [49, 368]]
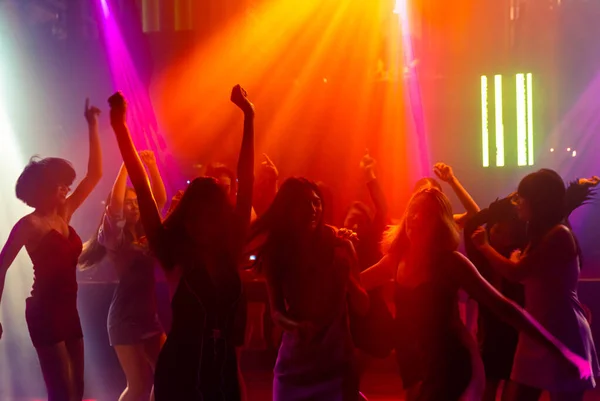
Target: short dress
[[133, 313], [51, 311], [551, 298]]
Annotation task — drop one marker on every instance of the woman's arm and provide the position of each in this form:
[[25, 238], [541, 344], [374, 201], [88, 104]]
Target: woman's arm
[[357, 296], [378, 274], [479, 289], [94, 170], [245, 168], [149, 213], [117, 194], [377, 196], [16, 240], [157, 185], [445, 173], [558, 246]]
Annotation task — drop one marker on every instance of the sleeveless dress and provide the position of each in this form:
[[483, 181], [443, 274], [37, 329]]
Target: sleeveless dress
[[319, 369], [434, 346], [198, 361], [551, 298], [133, 314], [51, 311]]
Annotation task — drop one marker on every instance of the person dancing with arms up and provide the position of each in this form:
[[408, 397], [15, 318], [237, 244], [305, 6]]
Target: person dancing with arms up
[[134, 329], [426, 266], [199, 247], [54, 247]]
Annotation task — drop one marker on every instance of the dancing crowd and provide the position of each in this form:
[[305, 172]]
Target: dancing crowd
[[325, 283]]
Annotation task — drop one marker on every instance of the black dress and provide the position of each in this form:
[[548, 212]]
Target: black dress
[[433, 345], [198, 361]]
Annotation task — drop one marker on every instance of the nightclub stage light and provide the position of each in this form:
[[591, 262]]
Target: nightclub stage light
[[524, 120]]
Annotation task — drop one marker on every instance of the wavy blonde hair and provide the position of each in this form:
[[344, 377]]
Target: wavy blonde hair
[[446, 235]]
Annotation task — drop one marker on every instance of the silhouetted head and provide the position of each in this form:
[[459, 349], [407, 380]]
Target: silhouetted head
[[425, 183], [429, 222], [204, 213], [224, 176], [45, 183], [541, 199], [296, 210], [358, 218]]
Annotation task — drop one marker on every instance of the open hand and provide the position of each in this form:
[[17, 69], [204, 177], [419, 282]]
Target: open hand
[[148, 157], [239, 97], [91, 113], [590, 182], [443, 171], [118, 108], [480, 238], [515, 256]]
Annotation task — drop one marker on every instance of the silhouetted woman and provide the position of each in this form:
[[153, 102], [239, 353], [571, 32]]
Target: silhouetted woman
[[198, 246], [429, 270], [549, 270], [312, 275], [134, 329], [54, 247]]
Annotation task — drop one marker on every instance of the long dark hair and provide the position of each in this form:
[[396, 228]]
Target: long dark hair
[[94, 252], [203, 195], [545, 193], [280, 245]]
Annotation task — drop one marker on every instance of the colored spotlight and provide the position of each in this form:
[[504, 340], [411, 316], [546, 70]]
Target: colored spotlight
[[499, 121], [485, 131]]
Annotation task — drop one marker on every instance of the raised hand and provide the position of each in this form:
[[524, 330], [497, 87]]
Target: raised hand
[[443, 172], [268, 166], [480, 238], [239, 97], [590, 182], [148, 157], [347, 234], [367, 163], [91, 113], [118, 109]]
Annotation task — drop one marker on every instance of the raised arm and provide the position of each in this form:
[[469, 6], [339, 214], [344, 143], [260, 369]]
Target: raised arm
[[94, 170], [149, 213], [117, 194], [16, 240], [479, 289], [157, 185], [558, 245], [445, 173], [378, 274], [245, 168], [377, 196]]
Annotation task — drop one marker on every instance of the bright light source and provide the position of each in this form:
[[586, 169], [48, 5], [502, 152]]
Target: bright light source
[[485, 131], [499, 121], [521, 121], [568, 149], [574, 153], [105, 9], [551, 149], [530, 119]]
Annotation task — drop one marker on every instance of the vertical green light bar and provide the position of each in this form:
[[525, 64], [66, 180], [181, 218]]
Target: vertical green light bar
[[499, 121], [521, 121], [485, 131], [530, 118]]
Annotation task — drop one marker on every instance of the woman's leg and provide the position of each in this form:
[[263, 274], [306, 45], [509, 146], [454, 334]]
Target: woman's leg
[[76, 354], [137, 371], [520, 392], [57, 370], [573, 396], [491, 390], [152, 347], [242, 382]]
